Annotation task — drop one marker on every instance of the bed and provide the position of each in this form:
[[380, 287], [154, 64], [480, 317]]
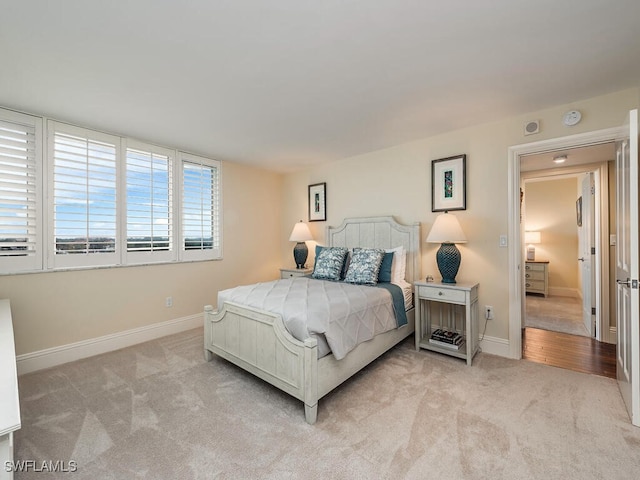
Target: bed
[[258, 341]]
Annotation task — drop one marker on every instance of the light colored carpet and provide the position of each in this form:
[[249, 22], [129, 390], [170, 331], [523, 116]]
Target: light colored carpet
[[559, 314], [159, 411]]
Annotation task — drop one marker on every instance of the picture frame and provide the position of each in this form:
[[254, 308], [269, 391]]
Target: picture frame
[[579, 211], [449, 184], [318, 202]]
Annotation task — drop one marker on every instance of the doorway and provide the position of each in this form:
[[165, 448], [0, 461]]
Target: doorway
[[560, 219], [516, 230], [560, 327]]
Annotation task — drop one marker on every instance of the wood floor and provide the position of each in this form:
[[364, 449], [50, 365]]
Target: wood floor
[[573, 352]]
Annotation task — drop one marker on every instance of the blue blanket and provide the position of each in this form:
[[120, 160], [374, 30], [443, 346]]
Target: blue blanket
[[398, 301]]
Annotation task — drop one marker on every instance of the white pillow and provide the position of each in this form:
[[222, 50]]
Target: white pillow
[[399, 264]]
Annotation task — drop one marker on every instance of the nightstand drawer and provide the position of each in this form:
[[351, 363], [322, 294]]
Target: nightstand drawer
[[535, 286], [535, 267], [534, 275], [441, 294], [295, 272]]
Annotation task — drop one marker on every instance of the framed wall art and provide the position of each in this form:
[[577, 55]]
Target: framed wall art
[[448, 184], [318, 202]]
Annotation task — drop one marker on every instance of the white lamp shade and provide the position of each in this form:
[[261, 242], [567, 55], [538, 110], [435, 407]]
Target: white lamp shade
[[446, 229], [300, 233], [532, 237]]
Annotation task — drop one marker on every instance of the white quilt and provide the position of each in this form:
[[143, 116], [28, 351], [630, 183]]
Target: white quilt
[[345, 314]]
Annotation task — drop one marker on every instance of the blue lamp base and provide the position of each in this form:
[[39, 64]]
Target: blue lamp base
[[448, 258], [300, 254]]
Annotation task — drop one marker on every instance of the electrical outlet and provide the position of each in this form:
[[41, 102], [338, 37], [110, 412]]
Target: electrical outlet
[[168, 302], [488, 312]]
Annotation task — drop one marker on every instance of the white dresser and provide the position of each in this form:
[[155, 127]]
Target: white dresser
[[9, 404], [536, 277]]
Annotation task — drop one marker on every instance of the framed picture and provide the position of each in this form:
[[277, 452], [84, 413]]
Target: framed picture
[[318, 202], [579, 211], [448, 184]]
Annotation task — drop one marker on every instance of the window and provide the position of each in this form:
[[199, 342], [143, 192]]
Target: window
[[84, 201], [149, 176], [71, 197], [20, 192], [200, 208]]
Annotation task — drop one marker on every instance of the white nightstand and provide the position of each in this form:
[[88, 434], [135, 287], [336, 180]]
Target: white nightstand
[[450, 306], [295, 272], [536, 274]]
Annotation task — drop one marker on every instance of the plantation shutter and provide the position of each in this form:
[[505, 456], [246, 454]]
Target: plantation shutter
[[84, 196], [201, 201], [149, 204], [20, 222]]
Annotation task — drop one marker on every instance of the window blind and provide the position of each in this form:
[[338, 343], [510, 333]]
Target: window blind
[[18, 190], [84, 195], [149, 202], [201, 206]]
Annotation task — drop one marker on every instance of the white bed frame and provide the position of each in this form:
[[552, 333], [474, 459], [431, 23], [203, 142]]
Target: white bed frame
[[258, 341]]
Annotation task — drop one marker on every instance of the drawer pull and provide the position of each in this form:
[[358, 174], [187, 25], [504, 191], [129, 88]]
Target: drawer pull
[[527, 267], [527, 275], [528, 284], [440, 293]]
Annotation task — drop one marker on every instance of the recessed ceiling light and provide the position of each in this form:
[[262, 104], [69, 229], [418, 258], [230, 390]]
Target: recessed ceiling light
[[560, 159]]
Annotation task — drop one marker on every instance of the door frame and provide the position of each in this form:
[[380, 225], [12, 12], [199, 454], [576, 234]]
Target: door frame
[[516, 256]]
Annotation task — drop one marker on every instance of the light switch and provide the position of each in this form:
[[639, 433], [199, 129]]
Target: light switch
[[612, 240], [503, 241]]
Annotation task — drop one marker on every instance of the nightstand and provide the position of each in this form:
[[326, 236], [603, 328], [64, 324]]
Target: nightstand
[[295, 272], [450, 306], [536, 275]]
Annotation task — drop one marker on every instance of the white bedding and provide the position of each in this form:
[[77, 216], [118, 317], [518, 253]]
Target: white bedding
[[344, 314]]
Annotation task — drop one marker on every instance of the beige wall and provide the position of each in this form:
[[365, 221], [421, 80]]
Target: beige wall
[[550, 208], [260, 209], [396, 181], [53, 309]]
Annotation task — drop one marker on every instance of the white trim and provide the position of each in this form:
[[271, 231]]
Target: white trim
[[515, 251], [50, 357], [565, 292], [495, 346]]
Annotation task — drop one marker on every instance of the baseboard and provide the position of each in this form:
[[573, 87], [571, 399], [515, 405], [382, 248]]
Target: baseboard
[[50, 357], [564, 292], [495, 346]]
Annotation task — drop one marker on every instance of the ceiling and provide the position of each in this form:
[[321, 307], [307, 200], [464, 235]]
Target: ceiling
[[593, 154], [289, 83]]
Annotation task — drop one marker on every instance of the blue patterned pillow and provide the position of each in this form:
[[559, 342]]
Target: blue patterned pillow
[[329, 263], [343, 272], [364, 266]]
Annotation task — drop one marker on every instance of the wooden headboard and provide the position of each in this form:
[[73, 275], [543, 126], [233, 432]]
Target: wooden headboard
[[380, 232]]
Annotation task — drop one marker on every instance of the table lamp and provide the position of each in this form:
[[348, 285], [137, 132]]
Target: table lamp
[[531, 238], [300, 234], [446, 230]]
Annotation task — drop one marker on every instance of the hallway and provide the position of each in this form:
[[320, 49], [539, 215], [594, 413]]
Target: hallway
[[558, 314]]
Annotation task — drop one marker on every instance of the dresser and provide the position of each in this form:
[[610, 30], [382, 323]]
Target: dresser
[[536, 277]]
